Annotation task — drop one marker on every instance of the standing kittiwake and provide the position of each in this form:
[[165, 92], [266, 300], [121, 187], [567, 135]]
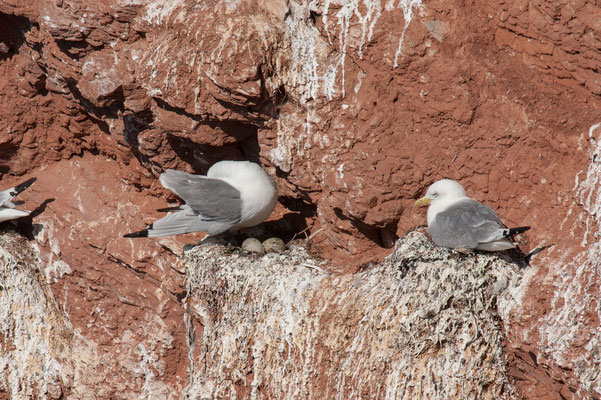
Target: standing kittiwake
[[458, 222], [7, 206], [233, 195]]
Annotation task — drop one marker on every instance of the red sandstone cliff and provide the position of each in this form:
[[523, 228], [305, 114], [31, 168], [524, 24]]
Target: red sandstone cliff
[[354, 107]]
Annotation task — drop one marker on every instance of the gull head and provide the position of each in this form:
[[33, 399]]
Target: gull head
[[442, 191]]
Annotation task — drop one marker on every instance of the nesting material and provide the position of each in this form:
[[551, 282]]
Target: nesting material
[[426, 323]]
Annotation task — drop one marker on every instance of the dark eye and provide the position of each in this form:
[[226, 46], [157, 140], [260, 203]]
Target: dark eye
[[435, 194]]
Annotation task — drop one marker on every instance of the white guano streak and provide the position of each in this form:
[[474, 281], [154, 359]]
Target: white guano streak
[[568, 323]]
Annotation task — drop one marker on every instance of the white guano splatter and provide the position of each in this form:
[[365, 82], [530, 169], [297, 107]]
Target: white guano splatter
[[407, 6], [567, 323]]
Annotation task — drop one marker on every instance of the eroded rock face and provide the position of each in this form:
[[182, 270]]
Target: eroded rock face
[[354, 107], [44, 355]]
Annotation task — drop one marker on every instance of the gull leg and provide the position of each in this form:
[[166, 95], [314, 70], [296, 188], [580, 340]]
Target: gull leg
[[190, 246]]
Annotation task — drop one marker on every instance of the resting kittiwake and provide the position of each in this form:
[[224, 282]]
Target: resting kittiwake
[[233, 195], [7, 206], [458, 222]]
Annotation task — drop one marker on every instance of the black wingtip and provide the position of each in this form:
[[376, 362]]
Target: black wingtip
[[515, 231], [22, 186], [169, 209], [142, 233]]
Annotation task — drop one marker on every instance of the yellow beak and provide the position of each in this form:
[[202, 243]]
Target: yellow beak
[[424, 201]]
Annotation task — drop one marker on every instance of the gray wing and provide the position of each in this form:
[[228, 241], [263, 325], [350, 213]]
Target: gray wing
[[186, 221], [465, 225], [211, 199]]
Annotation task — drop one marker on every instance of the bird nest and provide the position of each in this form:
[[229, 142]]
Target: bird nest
[[425, 323]]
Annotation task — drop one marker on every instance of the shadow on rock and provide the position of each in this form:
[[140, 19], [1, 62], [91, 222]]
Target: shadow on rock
[[26, 225], [383, 237]]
